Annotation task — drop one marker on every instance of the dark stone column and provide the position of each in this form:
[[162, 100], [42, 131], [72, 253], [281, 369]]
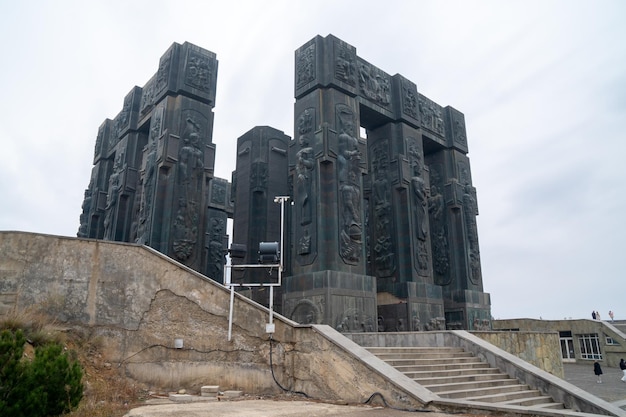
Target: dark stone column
[[261, 175], [328, 281]]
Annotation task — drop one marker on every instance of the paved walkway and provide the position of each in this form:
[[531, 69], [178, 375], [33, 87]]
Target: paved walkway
[[612, 389]]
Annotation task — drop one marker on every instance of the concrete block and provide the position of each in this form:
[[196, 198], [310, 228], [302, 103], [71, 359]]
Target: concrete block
[[209, 390], [233, 394]]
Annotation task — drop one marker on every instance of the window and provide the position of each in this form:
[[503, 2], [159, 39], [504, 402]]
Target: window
[[589, 346], [611, 341]]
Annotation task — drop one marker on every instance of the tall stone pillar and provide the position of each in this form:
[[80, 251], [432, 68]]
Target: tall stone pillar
[[328, 282], [154, 162], [399, 229], [261, 175], [453, 210]]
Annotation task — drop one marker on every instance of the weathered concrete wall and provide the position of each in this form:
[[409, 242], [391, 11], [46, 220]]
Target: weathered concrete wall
[[611, 353], [138, 302], [541, 349]]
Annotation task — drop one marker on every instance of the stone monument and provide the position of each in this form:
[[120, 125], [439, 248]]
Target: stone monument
[[381, 230], [153, 166]]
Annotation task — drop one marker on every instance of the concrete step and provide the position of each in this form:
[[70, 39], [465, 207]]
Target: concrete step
[[472, 387], [418, 360], [455, 374], [543, 401], [468, 366], [412, 349], [466, 378], [438, 372], [511, 397]]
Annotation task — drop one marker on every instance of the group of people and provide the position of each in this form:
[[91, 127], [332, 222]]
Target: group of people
[[596, 315], [597, 370]]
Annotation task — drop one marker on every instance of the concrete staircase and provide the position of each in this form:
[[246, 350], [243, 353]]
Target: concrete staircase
[[451, 372]]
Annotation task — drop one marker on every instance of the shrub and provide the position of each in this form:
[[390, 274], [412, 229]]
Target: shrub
[[48, 385]]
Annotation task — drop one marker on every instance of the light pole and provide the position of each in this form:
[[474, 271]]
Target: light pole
[[267, 251]]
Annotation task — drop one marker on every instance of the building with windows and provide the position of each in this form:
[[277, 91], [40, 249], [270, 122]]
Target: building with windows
[[581, 340]]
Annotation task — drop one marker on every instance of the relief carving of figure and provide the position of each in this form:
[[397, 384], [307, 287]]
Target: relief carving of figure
[[304, 166], [112, 198], [190, 164]]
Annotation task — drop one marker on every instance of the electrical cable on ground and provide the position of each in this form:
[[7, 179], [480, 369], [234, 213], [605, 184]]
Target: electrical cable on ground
[[274, 376]]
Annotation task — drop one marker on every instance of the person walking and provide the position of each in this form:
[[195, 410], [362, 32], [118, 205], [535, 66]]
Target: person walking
[[622, 366], [597, 370]]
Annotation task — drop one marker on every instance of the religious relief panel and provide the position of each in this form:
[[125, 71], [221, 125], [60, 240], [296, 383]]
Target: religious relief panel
[[458, 128], [215, 248], [83, 229], [199, 71], [374, 84], [163, 73], [123, 118], [148, 179], [349, 176], [113, 197], [355, 320], [382, 240], [431, 115], [420, 205], [305, 66], [409, 99], [470, 210], [147, 96], [438, 239], [190, 180], [307, 311], [345, 64]]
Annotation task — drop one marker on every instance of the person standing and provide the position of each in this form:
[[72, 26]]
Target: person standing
[[622, 366], [611, 315], [593, 314], [598, 315], [597, 370]]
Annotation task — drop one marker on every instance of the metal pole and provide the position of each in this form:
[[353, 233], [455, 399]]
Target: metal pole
[[230, 313]]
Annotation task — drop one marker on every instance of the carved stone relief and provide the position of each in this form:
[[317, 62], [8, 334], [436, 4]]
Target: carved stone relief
[[163, 73], [190, 178], [419, 204], [113, 196], [198, 71], [216, 257], [458, 129], [148, 182], [409, 99], [374, 83], [345, 64], [439, 239], [383, 244], [348, 161], [305, 66], [431, 115], [355, 320]]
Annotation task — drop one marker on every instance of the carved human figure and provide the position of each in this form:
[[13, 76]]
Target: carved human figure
[[190, 162], [349, 155], [304, 164], [112, 198], [421, 203]]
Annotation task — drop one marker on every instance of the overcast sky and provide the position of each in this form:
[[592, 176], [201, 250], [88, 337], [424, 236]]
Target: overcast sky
[[542, 85]]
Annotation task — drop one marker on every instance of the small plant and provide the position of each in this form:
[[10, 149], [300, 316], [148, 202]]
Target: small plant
[[49, 385]]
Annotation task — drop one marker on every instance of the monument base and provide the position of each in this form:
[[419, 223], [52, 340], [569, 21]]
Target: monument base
[[410, 306], [343, 300], [468, 309]]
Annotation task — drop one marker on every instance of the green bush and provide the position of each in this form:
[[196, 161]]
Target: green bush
[[49, 385]]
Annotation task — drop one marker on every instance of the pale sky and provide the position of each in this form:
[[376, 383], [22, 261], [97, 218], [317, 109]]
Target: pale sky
[[542, 85]]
